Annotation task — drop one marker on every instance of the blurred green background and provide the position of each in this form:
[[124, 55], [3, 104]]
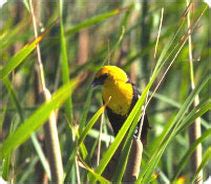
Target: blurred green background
[[97, 33]]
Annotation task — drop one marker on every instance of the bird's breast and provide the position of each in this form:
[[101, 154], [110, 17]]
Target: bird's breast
[[121, 95]]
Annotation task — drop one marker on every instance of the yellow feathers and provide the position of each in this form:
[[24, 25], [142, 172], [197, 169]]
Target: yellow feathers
[[114, 73], [115, 86], [121, 94]]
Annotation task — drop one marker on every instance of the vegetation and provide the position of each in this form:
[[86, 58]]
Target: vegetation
[[50, 51]]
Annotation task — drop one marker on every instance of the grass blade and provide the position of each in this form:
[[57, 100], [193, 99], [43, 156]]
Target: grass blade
[[185, 159], [13, 96], [206, 158], [90, 124], [100, 178], [20, 111], [198, 111], [19, 57], [36, 120], [168, 133], [94, 20], [85, 110], [64, 63]]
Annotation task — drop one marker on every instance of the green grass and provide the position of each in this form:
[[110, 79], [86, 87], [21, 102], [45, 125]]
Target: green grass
[[114, 35]]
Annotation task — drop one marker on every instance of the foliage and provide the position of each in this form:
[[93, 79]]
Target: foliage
[[76, 38]]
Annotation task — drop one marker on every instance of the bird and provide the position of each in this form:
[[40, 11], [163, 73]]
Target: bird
[[121, 95]]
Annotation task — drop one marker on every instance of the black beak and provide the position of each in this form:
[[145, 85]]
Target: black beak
[[99, 80], [96, 82]]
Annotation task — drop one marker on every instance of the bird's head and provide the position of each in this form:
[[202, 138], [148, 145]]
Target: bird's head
[[109, 74]]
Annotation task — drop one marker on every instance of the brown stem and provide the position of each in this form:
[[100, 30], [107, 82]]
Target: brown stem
[[195, 129], [134, 161], [50, 128]]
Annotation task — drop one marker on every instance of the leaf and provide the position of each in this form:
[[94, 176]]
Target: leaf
[[13, 97], [19, 57], [64, 63], [188, 154], [169, 132], [90, 124], [96, 19], [20, 111], [198, 111], [101, 179], [206, 158], [85, 109], [36, 120]]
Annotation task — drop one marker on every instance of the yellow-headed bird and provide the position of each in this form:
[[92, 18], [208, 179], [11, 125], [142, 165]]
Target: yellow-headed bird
[[121, 96]]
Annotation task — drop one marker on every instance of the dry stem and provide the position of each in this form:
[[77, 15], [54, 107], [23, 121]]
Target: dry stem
[[195, 129], [50, 128], [134, 161]]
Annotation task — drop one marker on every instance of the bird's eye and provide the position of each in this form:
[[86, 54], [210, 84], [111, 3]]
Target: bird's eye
[[103, 77], [99, 80]]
